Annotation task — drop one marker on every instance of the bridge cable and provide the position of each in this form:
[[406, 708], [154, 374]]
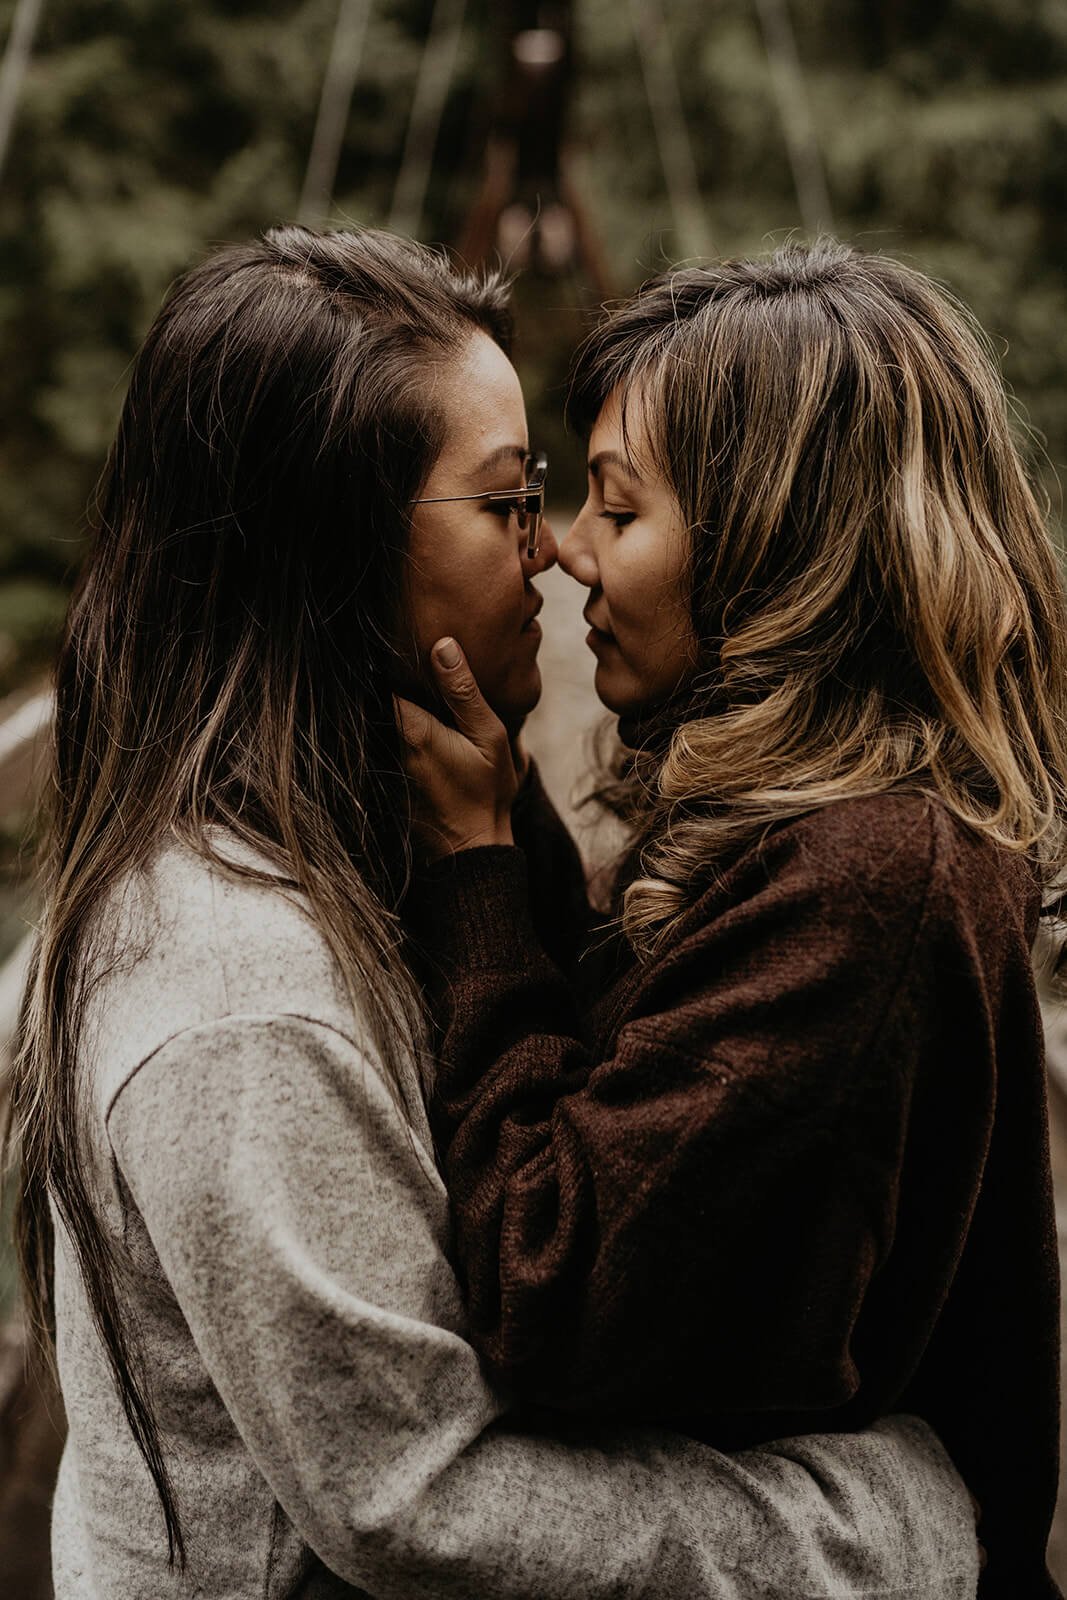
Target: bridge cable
[[16, 60], [652, 38], [436, 66], [335, 101], [794, 109]]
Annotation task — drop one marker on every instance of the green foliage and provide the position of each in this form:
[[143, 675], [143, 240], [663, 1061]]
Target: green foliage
[[149, 130], [942, 128]]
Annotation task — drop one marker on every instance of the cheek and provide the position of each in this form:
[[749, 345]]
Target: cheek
[[654, 632], [483, 607], [463, 584], [633, 582], [466, 579], [430, 613], [428, 580]]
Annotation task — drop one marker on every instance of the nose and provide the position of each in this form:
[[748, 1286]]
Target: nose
[[577, 556], [547, 551]]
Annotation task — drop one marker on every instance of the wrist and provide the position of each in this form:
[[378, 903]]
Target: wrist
[[440, 844], [500, 833], [472, 908]]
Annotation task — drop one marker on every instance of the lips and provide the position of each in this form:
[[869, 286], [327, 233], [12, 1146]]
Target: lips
[[604, 633], [531, 615]]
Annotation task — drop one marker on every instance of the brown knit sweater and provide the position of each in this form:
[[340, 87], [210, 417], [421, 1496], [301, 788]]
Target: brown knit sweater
[[791, 1174]]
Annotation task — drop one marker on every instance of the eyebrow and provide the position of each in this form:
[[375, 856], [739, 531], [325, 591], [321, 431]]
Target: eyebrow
[[611, 458], [506, 454]]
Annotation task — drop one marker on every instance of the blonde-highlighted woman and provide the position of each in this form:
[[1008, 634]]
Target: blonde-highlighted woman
[[776, 1155]]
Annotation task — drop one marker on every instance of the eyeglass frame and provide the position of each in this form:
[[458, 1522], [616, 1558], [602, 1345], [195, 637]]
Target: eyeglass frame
[[536, 516]]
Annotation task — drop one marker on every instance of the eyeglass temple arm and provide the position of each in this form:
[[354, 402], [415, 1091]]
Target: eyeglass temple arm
[[540, 466], [488, 494]]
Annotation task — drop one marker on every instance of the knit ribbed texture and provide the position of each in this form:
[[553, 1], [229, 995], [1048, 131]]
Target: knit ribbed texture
[[793, 1172]]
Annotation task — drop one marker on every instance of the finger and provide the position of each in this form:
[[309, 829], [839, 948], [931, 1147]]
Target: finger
[[427, 741], [474, 717], [416, 724]]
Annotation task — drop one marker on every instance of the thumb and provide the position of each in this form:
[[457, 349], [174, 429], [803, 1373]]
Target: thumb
[[474, 717]]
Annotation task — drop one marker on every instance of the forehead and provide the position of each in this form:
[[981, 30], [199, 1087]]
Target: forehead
[[607, 429], [620, 430], [482, 402]]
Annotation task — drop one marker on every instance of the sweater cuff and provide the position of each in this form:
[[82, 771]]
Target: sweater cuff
[[472, 909]]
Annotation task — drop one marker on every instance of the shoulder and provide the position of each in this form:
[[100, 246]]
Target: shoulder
[[898, 858], [187, 942], [850, 909]]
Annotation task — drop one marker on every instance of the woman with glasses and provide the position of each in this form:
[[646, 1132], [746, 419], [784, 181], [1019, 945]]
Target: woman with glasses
[[230, 1218], [779, 1158]]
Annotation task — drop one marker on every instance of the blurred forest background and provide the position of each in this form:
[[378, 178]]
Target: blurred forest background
[[147, 130]]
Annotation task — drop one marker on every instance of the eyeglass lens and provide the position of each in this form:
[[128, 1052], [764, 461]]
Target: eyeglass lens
[[532, 509]]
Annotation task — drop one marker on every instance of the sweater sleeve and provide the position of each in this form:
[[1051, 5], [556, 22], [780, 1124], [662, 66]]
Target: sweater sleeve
[[687, 1225], [282, 1193]]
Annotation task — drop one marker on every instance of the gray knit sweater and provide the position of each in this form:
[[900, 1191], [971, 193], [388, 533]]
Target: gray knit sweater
[[285, 1235]]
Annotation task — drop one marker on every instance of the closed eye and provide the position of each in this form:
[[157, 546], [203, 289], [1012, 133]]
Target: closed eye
[[621, 519]]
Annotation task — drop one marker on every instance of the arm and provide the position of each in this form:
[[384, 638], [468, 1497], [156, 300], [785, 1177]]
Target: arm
[[686, 1224], [685, 1220], [294, 1217]]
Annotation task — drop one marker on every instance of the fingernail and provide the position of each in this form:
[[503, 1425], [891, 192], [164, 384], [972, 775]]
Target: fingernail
[[447, 652]]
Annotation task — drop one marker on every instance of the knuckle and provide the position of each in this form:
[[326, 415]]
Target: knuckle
[[464, 687]]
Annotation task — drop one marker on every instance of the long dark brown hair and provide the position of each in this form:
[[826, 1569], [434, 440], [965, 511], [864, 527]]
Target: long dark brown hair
[[228, 660], [872, 584]]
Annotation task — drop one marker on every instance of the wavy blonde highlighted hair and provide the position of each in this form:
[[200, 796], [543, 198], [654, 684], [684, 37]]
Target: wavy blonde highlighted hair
[[872, 583]]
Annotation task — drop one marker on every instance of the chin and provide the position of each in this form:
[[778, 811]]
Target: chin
[[514, 704], [613, 697]]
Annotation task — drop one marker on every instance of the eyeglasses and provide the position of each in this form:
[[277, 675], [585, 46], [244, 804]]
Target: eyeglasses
[[529, 501]]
